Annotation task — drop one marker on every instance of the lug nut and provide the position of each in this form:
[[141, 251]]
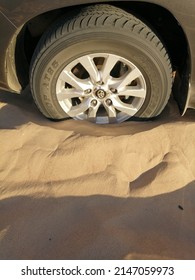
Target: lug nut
[[109, 102], [94, 102], [87, 91], [100, 83], [113, 90]]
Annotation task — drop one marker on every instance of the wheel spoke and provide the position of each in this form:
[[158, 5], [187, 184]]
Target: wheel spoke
[[71, 79], [69, 93], [109, 63], [111, 111], [123, 107], [92, 114], [129, 78], [133, 91], [88, 63], [79, 109]]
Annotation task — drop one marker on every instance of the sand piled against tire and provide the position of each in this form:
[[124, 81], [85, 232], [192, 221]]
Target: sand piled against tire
[[75, 190]]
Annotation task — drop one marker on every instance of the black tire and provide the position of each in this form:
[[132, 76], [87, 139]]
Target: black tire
[[101, 29]]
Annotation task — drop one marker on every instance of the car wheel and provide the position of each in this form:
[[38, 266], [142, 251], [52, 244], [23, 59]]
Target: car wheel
[[103, 65]]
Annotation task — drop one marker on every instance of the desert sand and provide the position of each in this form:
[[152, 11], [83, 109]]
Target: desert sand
[[76, 190]]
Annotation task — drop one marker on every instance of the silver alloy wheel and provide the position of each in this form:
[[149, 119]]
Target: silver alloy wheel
[[102, 88]]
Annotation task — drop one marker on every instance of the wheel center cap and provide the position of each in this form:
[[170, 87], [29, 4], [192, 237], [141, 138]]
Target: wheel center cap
[[100, 93]]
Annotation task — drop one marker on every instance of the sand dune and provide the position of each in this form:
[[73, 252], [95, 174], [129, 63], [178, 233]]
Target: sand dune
[[75, 190]]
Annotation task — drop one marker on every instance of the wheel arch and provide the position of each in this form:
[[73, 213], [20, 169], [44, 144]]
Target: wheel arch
[[158, 18]]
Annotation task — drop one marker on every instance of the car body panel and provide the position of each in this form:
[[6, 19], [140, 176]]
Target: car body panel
[[14, 14]]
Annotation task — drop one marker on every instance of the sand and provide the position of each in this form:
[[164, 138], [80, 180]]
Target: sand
[[76, 190]]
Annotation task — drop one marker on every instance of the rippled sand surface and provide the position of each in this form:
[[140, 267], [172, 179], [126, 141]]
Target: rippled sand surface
[[76, 190]]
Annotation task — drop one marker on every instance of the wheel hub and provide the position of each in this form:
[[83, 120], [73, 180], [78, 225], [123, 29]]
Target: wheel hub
[[100, 93]]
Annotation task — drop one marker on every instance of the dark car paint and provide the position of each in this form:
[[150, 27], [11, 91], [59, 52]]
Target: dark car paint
[[14, 14]]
